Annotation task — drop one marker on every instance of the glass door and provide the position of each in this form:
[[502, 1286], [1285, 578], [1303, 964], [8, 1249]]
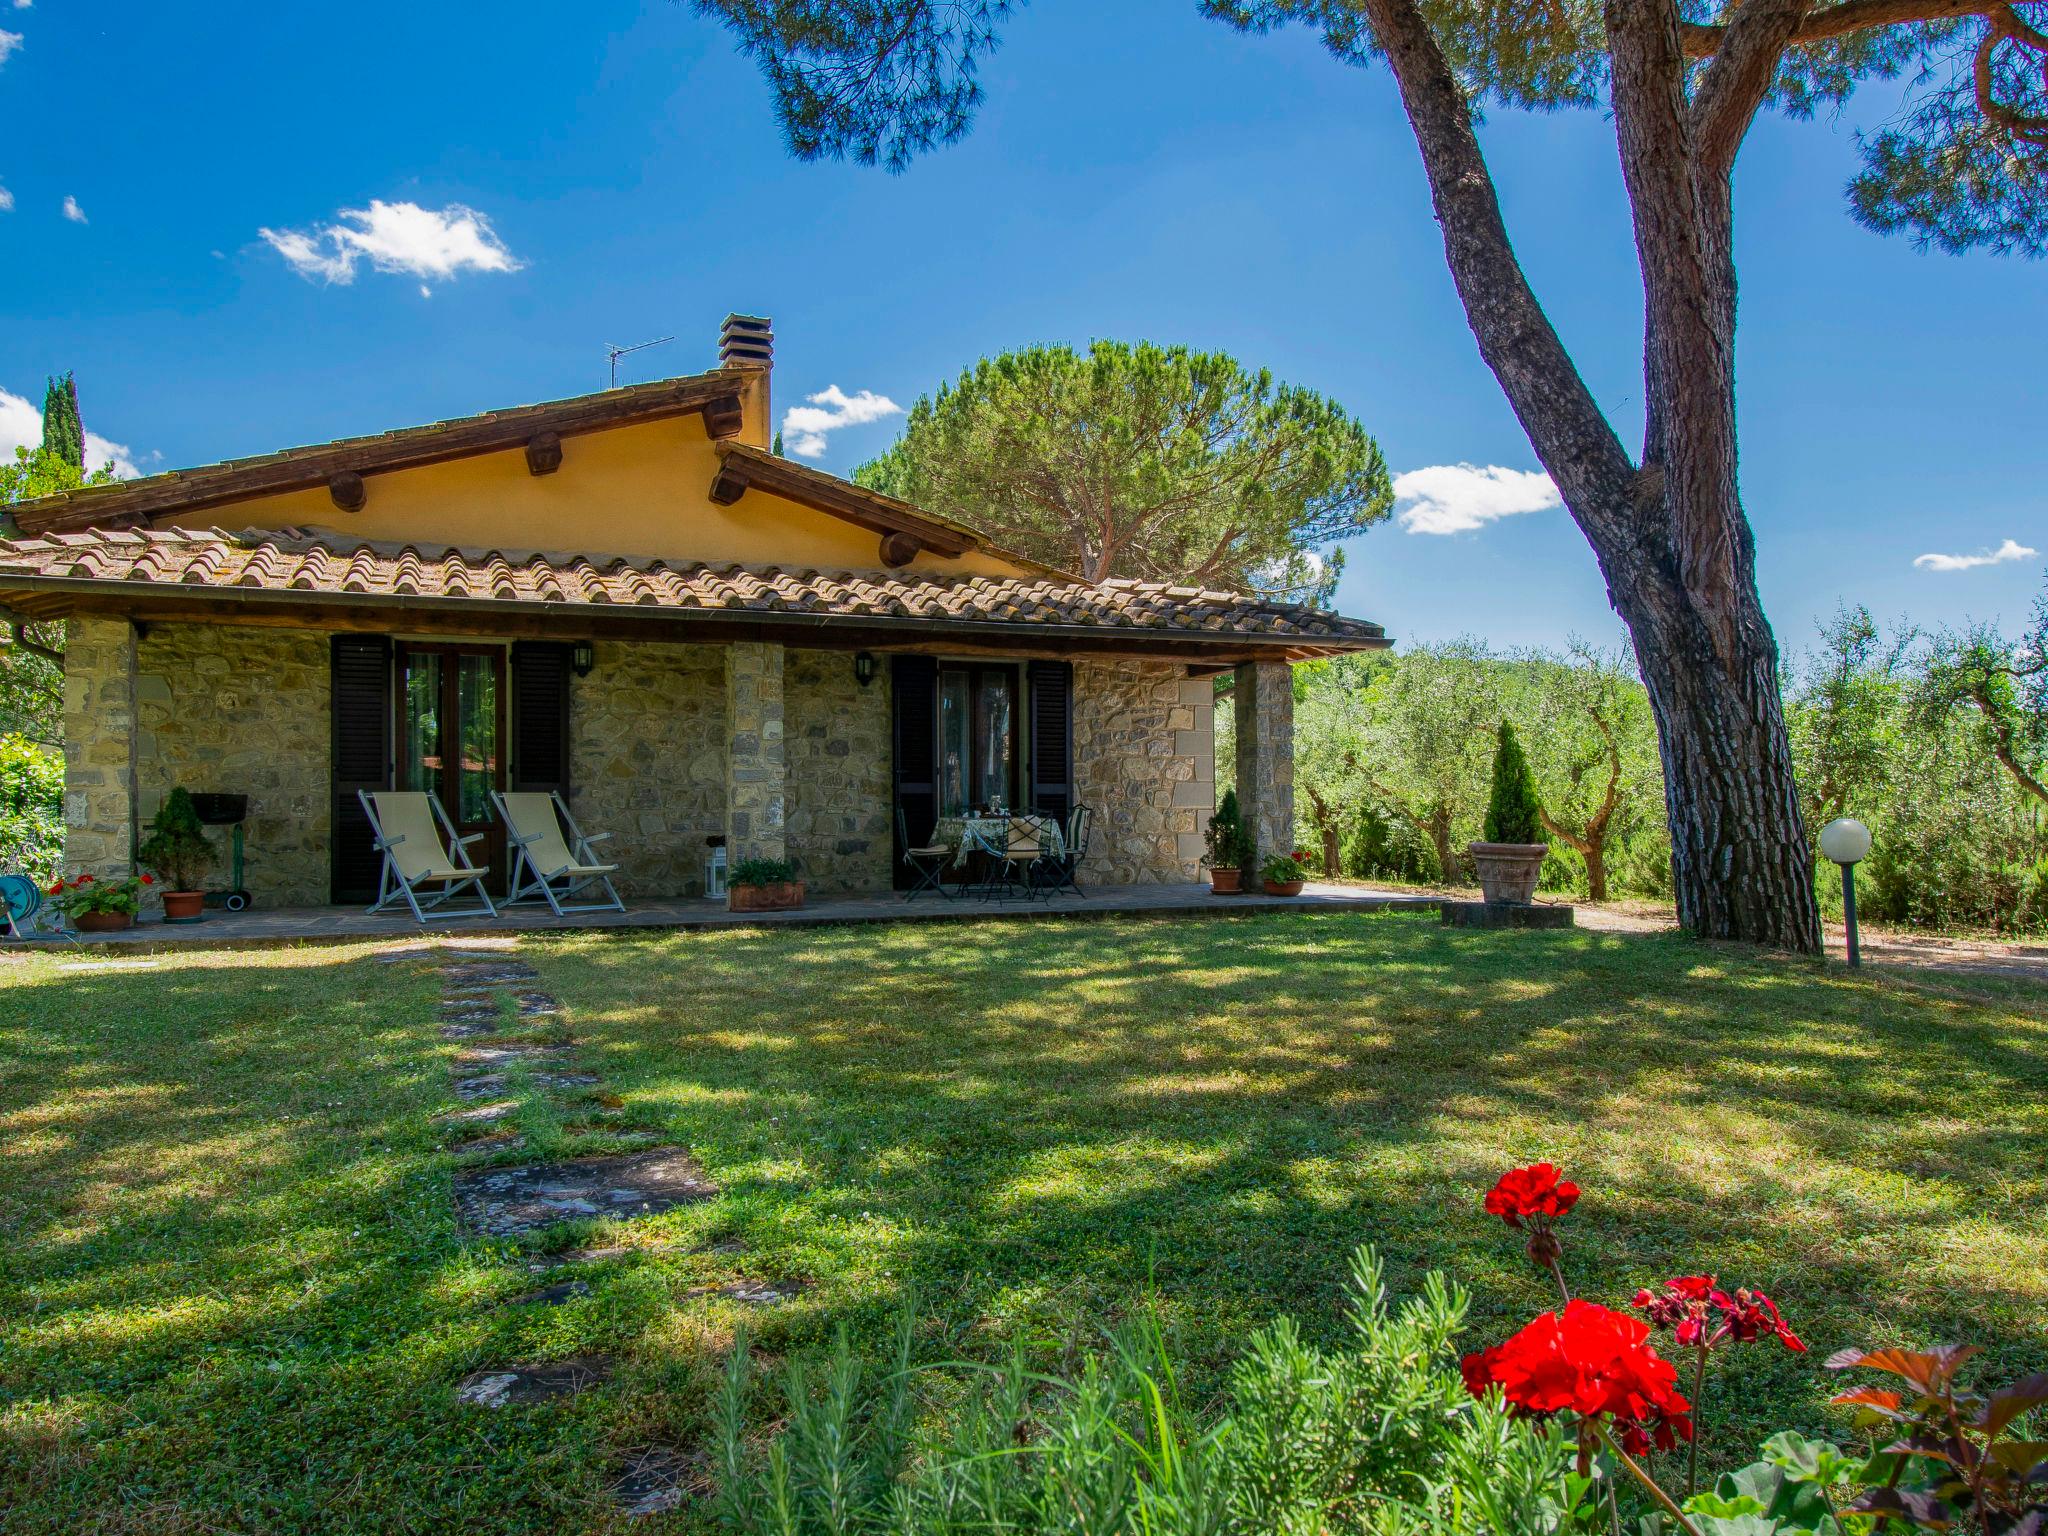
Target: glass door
[[977, 739], [451, 732]]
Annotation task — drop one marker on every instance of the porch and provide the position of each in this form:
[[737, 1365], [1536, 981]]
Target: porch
[[289, 926]]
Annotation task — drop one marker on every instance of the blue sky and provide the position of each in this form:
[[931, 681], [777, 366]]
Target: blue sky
[[1145, 175]]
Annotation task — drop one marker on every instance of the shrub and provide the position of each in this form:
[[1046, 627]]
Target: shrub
[[31, 809], [177, 847], [1229, 841], [83, 894], [1514, 814], [763, 872]]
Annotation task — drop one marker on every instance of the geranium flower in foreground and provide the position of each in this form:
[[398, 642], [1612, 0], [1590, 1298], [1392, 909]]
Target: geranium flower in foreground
[[1591, 1361], [1531, 1194], [1701, 1315]]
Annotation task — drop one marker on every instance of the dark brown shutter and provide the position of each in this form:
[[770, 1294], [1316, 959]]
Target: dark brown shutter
[[1049, 688], [914, 699], [361, 679], [540, 716]]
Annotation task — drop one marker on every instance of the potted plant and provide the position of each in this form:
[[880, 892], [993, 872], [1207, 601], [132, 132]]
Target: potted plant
[[99, 906], [1283, 874], [1230, 845], [178, 850], [1511, 857], [763, 885]]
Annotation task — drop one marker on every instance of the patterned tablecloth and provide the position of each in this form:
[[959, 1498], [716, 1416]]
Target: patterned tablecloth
[[964, 834]]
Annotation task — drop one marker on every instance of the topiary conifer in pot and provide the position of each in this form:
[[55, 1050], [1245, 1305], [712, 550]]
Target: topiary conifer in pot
[[178, 849], [1511, 857]]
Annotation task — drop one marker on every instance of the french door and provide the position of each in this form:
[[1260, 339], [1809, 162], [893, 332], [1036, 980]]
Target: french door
[[451, 737]]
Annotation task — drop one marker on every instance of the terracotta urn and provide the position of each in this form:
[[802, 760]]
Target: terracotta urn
[[103, 922], [184, 906], [1508, 871], [782, 896], [1226, 882]]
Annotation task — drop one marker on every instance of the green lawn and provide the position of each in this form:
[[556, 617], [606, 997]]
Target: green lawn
[[235, 1299]]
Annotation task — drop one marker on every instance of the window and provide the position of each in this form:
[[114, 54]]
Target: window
[[978, 751]]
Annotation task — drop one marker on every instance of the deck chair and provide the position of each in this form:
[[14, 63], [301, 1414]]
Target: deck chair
[[423, 854], [534, 820]]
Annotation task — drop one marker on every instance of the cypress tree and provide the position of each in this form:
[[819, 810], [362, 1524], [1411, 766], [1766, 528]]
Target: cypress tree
[[63, 432], [1514, 814]]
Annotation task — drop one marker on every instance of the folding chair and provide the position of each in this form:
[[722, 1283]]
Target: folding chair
[[927, 863], [421, 849], [534, 820], [1068, 863]]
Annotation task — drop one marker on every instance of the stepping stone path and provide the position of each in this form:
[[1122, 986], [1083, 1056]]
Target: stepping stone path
[[504, 1202], [497, 1201]]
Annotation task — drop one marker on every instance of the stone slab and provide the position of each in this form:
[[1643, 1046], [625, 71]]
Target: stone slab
[[481, 1114], [501, 1202], [658, 1478], [512, 1386], [511, 1051], [558, 1294], [1504, 914]]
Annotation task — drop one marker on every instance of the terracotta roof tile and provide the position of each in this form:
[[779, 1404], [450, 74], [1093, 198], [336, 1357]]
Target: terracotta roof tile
[[319, 561]]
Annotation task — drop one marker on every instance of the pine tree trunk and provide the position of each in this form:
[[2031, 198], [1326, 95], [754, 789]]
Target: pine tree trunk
[[1670, 536]]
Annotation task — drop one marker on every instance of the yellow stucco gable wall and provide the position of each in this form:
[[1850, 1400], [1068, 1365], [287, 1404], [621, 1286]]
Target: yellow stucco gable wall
[[639, 490]]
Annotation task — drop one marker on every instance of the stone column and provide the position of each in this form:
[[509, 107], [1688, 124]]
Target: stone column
[[1265, 753], [756, 780], [99, 747], [1193, 766]]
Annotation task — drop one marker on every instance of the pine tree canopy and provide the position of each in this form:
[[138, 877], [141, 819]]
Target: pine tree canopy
[[1143, 461], [1963, 164]]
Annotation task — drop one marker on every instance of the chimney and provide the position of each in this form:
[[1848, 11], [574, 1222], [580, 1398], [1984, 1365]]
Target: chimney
[[746, 341]]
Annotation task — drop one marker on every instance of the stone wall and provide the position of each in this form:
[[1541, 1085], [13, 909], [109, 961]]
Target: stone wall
[[99, 748], [840, 828], [647, 761], [242, 711], [1145, 760], [756, 766]]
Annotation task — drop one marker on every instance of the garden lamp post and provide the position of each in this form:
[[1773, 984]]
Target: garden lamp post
[[1846, 841]]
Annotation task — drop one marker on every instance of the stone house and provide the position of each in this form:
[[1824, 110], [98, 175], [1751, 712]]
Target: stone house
[[626, 597]]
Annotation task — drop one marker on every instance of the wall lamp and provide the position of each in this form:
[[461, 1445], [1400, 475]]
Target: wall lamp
[[863, 667], [583, 656]]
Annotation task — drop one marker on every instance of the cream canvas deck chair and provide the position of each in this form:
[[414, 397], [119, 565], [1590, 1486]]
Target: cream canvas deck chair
[[534, 820], [423, 855]]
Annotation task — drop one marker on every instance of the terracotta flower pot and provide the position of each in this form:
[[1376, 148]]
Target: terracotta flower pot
[[783, 896], [1283, 887], [1508, 871], [1226, 882], [103, 922], [184, 906]]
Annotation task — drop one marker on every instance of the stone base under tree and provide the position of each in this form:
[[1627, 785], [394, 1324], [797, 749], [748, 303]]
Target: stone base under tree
[[1505, 914]]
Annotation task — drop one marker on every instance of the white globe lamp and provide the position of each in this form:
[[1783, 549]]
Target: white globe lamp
[[1846, 841]]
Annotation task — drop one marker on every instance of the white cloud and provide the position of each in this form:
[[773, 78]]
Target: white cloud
[[72, 211], [9, 41], [6, 201], [804, 427], [2010, 550], [1456, 498], [21, 426], [395, 237]]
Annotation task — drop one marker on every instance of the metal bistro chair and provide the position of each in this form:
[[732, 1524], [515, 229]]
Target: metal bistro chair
[[927, 863], [1068, 863], [1015, 861]]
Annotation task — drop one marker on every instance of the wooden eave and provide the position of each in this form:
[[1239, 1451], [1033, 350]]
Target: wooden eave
[[715, 396], [742, 469]]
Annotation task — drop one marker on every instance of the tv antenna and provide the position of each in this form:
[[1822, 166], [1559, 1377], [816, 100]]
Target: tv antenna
[[617, 352]]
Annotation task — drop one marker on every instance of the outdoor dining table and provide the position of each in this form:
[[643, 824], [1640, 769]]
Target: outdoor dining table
[[991, 835]]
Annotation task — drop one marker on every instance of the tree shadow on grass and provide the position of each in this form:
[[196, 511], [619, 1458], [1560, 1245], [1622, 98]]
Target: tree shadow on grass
[[1030, 1122]]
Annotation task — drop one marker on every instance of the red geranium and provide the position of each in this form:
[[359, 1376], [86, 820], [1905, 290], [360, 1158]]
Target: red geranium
[[1591, 1361], [1700, 1315], [1533, 1194], [148, 879]]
